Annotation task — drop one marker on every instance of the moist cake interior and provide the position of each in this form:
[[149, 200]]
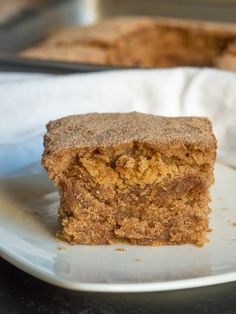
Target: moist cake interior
[[136, 194]]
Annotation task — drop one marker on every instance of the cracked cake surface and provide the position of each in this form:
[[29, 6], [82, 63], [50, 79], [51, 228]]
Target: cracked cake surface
[[131, 177]]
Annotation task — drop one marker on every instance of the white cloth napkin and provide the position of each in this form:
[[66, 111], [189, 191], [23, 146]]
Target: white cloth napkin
[[28, 102]]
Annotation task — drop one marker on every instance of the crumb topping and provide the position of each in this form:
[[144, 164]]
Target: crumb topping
[[111, 129]]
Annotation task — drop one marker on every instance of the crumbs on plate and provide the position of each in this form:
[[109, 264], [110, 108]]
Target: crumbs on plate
[[121, 249]]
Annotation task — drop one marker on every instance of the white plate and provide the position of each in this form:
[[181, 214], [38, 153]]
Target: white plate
[[28, 222]]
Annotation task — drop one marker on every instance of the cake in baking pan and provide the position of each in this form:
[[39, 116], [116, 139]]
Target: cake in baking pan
[[138, 42]]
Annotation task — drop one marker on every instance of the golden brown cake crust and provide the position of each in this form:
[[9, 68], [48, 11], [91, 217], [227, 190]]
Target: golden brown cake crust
[[88, 131], [109, 31], [104, 33]]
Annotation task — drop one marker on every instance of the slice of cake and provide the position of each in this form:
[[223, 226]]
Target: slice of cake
[[131, 177]]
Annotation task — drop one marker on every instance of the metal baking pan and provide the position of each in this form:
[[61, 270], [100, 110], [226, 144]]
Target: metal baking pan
[[31, 28]]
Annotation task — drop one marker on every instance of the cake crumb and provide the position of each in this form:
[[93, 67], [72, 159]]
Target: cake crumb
[[61, 248], [139, 260], [121, 249], [234, 224]]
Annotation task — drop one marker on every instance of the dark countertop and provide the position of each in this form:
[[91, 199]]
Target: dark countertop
[[21, 293]]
